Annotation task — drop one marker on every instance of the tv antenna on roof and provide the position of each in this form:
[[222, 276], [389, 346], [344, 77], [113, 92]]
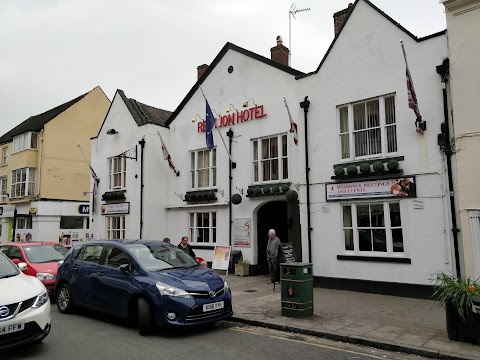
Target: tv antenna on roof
[[293, 10]]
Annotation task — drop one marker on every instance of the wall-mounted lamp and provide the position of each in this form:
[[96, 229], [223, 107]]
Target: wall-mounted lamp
[[296, 186], [230, 110], [220, 191], [112, 132], [194, 119], [245, 104], [240, 190]]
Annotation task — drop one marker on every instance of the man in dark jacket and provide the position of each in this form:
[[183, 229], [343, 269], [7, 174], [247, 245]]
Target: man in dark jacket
[[272, 254]]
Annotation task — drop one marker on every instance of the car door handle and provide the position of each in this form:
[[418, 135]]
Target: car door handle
[[75, 267]]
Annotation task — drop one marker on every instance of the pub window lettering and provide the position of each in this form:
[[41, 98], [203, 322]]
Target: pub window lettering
[[368, 128], [373, 228]]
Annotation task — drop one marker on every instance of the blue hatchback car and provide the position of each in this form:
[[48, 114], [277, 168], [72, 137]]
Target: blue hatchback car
[[151, 282]]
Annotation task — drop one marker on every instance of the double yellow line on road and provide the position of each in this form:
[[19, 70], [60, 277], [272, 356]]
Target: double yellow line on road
[[254, 332]]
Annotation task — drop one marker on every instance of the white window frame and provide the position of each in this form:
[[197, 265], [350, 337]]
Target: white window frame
[[387, 126], [196, 171], [120, 172], [115, 225], [24, 142], [3, 189], [196, 230], [259, 162], [4, 156], [17, 182], [387, 227]]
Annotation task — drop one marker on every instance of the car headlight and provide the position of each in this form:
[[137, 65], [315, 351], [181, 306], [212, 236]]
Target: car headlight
[[45, 276], [40, 300], [225, 285], [172, 291]]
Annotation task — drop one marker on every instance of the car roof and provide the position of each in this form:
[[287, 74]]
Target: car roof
[[123, 242], [28, 243]]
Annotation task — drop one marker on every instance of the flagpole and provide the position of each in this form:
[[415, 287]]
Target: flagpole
[[168, 158], [221, 137], [286, 105], [84, 155]]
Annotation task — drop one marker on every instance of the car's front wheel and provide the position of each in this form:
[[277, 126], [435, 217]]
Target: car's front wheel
[[64, 299], [145, 317]]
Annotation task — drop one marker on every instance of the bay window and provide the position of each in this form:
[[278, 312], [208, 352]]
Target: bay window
[[25, 141], [23, 183]]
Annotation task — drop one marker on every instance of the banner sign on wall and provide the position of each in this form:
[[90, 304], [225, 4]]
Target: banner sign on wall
[[121, 208], [221, 258], [401, 188]]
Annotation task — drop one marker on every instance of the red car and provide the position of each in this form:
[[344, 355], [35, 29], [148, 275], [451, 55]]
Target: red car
[[41, 259]]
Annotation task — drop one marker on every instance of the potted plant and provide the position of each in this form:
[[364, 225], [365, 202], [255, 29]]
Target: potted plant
[[461, 299], [242, 267]]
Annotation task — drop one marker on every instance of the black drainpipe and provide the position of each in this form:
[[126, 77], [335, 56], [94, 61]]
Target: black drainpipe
[[142, 146], [305, 104], [230, 178], [14, 225], [444, 142], [448, 153]]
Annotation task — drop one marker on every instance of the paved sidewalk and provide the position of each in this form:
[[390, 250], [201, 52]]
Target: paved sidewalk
[[387, 322]]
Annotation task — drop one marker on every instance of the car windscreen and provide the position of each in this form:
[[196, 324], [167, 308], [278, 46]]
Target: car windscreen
[[7, 268], [44, 253], [161, 257]]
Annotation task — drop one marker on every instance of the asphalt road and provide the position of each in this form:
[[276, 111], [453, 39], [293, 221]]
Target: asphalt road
[[87, 335]]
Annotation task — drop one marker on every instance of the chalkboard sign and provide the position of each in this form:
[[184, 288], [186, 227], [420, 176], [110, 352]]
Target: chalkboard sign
[[288, 252]]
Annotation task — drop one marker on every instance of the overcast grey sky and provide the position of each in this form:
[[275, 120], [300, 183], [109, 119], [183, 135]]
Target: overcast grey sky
[[52, 51]]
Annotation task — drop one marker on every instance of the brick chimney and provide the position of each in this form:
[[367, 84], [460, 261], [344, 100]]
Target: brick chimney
[[201, 70], [280, 52], [340, 17]]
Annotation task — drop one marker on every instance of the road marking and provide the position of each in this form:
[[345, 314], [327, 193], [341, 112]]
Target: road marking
[[305, 342]]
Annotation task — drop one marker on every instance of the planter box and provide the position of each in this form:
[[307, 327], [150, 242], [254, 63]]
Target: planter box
[[242, 270], [458, 330]]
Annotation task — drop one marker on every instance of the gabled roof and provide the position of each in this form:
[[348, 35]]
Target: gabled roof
[[37, 122], [229, 46], [141, 113], [397, 24], [145, 114]]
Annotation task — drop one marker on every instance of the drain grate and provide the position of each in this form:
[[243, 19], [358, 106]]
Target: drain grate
[[250, 291]]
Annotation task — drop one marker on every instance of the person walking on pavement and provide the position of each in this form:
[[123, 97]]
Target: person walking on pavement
[[186, 247], [272, 254]]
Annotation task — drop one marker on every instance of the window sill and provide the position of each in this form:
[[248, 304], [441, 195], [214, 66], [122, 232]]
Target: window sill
[[399, 260]]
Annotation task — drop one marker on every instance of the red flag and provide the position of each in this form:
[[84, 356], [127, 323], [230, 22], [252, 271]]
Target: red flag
[[412, 97], [293, 125], [166, 155]]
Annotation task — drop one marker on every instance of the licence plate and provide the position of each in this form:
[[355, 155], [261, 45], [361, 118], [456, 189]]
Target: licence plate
[[213, 306], [7, 329]]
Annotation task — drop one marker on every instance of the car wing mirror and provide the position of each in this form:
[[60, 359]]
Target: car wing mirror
[[22, 266], [124, 268]]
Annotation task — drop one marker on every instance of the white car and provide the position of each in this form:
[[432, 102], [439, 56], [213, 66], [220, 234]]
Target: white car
[[24, 306]]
